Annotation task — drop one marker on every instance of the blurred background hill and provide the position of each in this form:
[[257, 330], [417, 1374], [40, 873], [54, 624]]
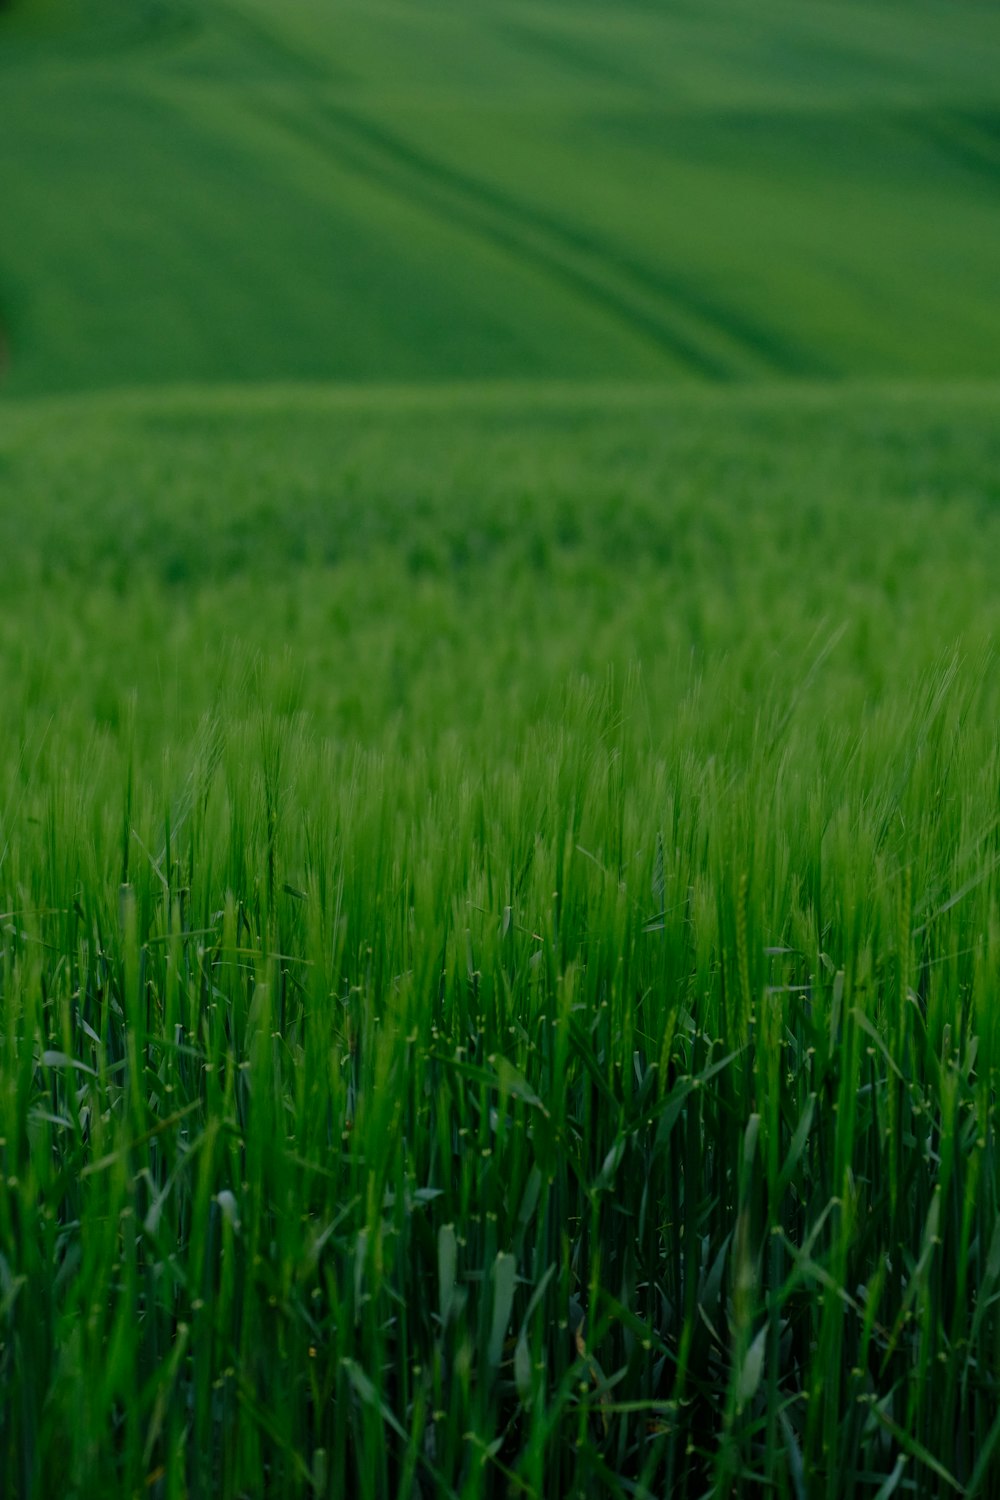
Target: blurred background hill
[[371, 190]]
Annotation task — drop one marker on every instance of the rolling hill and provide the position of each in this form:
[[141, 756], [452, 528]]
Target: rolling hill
[[201, 190]]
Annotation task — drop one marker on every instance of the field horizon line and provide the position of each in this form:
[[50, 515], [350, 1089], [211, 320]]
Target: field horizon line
[[237, 397]]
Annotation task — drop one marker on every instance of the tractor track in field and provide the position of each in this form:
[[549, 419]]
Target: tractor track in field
[[271, 46], [678, 318], [970, 137]]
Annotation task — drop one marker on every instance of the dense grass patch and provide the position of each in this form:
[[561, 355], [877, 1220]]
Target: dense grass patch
[[499, 895], [500, 944]]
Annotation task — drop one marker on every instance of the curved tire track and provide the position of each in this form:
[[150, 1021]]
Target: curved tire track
[[681, 323]]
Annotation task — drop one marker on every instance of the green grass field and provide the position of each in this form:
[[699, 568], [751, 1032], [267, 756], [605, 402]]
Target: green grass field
[[499, 826], [368, 190]]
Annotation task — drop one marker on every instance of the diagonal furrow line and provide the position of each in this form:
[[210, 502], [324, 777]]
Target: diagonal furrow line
[[970, 138], [273, 47], [588, 268]]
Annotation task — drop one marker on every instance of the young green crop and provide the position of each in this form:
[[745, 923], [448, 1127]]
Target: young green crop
[[499, 883], [499, 957]]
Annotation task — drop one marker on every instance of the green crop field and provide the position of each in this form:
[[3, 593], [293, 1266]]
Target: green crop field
[[499, 757]]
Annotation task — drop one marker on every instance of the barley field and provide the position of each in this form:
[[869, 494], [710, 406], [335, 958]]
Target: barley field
[[499, 770]]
